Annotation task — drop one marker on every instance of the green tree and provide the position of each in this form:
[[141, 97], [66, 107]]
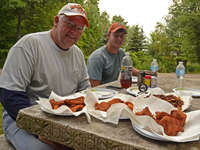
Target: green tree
[[160, 48], [20, 17], [183, 26], [104, 26], [90, 38], [136, 39]]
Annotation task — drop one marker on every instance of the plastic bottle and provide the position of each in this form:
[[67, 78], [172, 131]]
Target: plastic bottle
[[154, 65], [126, 71], [180, 73]]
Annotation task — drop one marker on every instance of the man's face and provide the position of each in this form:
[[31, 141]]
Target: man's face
[[68, 30], [116, 39]]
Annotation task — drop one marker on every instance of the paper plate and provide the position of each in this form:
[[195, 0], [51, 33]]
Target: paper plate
[[103, 93], [62, 114], [149, 134], [192, 92]]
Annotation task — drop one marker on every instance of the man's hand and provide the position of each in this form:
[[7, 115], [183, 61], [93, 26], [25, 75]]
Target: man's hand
[[94, 82], [55, 145]]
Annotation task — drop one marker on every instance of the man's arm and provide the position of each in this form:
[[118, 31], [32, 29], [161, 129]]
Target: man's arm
[[135, 71], [95, 69], [13, 101], [94, 82]]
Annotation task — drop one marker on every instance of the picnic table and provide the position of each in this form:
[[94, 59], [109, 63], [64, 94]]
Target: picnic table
[[77, 133]]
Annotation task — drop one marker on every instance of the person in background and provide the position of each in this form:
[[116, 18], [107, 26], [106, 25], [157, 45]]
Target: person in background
[[38, 64], [104, 64]]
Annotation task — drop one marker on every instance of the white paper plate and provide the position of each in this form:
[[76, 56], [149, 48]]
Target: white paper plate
[[134, 91], [192, 92], [102, 93], [62, 114], [149, 134], [123, 117]]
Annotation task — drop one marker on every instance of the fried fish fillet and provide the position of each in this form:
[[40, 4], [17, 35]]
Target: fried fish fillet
[[179, 115], [160, 115], [77, 101], [56, 104], [74, 104], [171, 125], [104, 106], [130, 105], [76, 108], [145, 111]]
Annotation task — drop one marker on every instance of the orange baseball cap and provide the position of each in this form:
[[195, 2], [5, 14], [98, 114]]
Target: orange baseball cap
[[116, 26]]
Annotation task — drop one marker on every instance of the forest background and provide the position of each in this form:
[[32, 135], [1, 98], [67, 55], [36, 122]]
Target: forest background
[[177, 39]]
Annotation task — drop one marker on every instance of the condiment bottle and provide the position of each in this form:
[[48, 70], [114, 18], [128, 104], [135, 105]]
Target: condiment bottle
[[148, 80]]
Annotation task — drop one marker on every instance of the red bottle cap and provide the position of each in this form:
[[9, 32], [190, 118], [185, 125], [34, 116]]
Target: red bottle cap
[[148, 76]]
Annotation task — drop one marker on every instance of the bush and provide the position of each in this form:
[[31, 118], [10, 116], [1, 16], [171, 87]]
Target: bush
[[193, 68]]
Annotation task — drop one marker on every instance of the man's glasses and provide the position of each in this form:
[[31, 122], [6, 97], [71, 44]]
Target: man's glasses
[[70, 24]]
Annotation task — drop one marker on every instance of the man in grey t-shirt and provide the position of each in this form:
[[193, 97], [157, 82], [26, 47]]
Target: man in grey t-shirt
[[38, 64], [104, 64]]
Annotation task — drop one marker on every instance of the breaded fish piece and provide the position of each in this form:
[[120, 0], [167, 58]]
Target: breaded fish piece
[[171, 125], [179, 115], [145, 111], [130, 105], [76, 108], [77, 101], [160, 115]]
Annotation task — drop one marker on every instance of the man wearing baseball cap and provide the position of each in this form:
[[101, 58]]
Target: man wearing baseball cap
[[104, 64], [38, 64]]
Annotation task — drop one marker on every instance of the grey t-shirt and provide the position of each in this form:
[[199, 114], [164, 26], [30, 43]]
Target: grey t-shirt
[[36, 65], [104, 66]]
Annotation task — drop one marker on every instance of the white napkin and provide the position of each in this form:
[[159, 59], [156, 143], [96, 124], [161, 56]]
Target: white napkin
[[63, 109], [191, 127], [114, 113]]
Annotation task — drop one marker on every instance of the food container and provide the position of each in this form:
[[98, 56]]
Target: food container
[[142, 73]]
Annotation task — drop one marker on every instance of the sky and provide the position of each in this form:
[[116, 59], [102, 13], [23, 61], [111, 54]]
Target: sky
[[145, 13]]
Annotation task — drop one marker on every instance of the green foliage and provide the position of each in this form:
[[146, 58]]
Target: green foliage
[[176, 39], [183, 28], [3, 55], [193, 68], [141, 60]]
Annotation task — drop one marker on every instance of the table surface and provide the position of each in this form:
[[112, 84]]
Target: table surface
[[77, 133]]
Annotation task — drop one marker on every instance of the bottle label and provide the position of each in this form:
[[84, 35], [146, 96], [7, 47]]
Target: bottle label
[[126, 73], [180, 72], [154, 68]]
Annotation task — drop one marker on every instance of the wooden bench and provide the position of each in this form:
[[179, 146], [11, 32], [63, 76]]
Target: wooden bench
[[4, 145]]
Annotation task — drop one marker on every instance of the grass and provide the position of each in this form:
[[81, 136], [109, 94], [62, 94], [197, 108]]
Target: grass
[[1, 112]]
